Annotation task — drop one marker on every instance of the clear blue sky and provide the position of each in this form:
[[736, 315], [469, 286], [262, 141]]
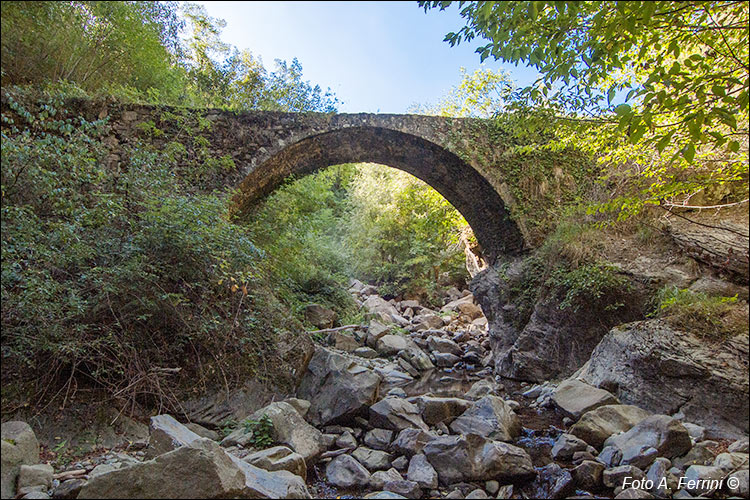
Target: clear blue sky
[[376, 56]]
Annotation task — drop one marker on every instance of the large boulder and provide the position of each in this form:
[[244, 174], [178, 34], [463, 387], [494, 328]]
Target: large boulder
[[650, 364], [290, 428], [19, 447], [475, 458], [543, 341], [662, 432], [167, 434], [201, 470], [490, 417], [574, 398], [597, 425], [337, 386], [395, 414]]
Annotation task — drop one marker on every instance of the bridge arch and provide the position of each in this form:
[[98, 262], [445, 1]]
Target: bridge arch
[[464, 188]]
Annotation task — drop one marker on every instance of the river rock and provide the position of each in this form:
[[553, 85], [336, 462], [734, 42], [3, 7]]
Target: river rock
[[167, 434], [566, 445], [383, 495], [344, 341], [574, 398], [320, 316], [597, 425], [664, 433], [379, 478], [421, 472], [490, 417], [445, 359], [395, 414], [202, 431], [482, 388], [346, 440], [703, 479], [475, 458], [731, 461], [375, 331], [656, 474], [372, 459], [700, 454], [382, 310], [200, 470], [588, 475], [614, 477], [69, 488], [337, 387], [35, 475], [737, 483], [411, 441], [345, 472], [379, 439], [290, 428], [443, 345], [427, 321], [278, 458], [640, 456], [660, 368], [417, 357], [388, 345], [633, 493], [19, 447], [403, 487], [437, 409], [553, 481], [741, 446]]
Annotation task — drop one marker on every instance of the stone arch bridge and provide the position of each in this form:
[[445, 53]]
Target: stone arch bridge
[[266, 148]]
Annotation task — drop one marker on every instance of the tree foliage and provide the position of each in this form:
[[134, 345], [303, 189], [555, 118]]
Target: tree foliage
[[362, 220], [660, 85], [91, 43], [154, 52]]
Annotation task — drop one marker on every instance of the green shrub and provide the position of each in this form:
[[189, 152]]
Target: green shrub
[[711, 317], [124, 279], [589, 284], [262, 430]]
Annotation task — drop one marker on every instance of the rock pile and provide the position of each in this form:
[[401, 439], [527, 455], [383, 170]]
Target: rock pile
[[405, 407]]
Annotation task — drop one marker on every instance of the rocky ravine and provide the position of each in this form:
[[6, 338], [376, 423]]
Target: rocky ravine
[[407, 408]]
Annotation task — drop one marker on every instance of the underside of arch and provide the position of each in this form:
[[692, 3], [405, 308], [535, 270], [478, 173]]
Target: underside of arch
[[464, 188]]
